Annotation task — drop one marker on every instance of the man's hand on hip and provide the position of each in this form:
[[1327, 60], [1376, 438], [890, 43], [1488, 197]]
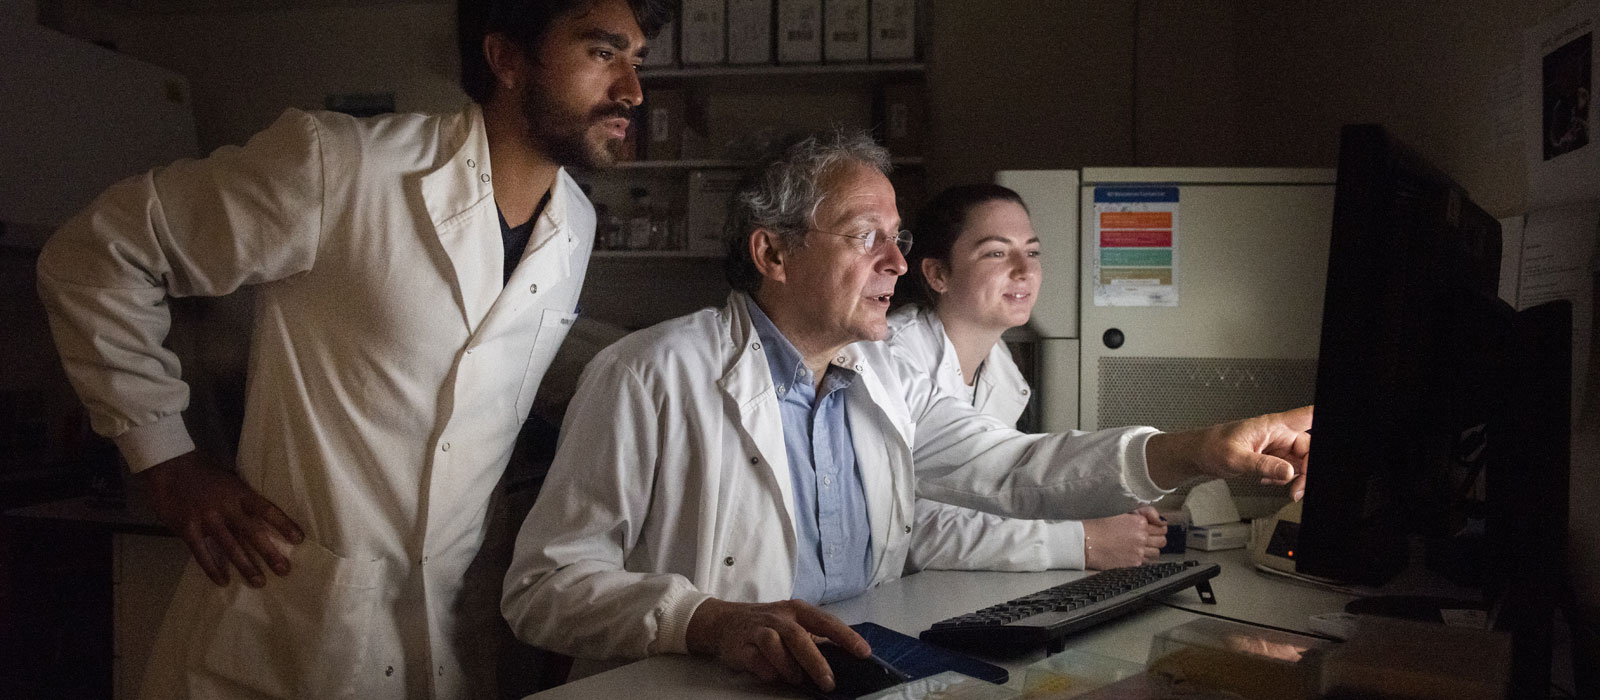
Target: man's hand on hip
[[220, 518], [771, 640]]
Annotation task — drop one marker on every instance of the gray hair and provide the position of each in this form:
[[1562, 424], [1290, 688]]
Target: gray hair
[[783, 195]]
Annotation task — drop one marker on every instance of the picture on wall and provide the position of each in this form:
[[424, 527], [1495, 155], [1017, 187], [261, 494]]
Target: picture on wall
[[1567, 89]]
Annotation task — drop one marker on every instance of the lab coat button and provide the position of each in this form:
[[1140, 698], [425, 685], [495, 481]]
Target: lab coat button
[[533, 289], [445, 447], [484, 177], [472, 163], [861, 368], [1024, 392], [755, 346], [908, 529], [728, 561]]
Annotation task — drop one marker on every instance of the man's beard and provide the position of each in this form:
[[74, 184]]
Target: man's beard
[[564, 137]]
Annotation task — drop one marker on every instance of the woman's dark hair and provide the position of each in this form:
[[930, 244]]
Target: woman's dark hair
[[940, 223], [526, 22]]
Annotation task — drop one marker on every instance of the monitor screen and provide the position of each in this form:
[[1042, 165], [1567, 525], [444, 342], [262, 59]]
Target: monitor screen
[[1410, 365], [1442, 414]]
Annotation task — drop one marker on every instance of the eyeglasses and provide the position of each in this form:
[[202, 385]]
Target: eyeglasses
[[872, 241]]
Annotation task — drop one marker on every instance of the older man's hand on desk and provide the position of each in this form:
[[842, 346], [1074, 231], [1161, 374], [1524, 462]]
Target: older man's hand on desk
[[1273, 446], [774, 641]]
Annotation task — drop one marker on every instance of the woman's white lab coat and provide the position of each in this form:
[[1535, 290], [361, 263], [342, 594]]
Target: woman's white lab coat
[[948, 537], [389, 375], [671, 483]]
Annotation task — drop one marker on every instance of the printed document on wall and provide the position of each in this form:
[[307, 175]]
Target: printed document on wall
[[1558, 262], [1135, 257], [1563, 142]]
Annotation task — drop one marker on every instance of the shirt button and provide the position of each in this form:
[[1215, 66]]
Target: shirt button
[[827, 481], [471, 164], [839, 359], [755, 460], [1024, 392], [728, 561], [484, 177], [860, 368], [908, 529], [445, 447], [755, 346], [388, 671], [533, 289]]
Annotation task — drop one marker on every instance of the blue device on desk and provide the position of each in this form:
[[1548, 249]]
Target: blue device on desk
[[896, 658]]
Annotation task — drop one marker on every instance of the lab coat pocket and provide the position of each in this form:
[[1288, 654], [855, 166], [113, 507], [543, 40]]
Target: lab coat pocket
[[301, 636], [553, 327]]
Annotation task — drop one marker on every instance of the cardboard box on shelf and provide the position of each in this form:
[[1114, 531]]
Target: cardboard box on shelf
[[704, 32], [799, 31], [894, 30], [749, 31], [667, 110], [845, 38], [903, 116], [707, 208]]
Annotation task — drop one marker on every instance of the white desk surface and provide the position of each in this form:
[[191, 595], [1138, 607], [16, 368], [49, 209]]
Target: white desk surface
[[914, 603]]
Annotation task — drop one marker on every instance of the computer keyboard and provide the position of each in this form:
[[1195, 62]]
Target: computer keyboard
[[1047, 617]]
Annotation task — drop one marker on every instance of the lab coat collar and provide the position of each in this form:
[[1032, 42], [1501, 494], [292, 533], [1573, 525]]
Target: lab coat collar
[[783, 359], [949, 376], [748, 385], [465, 178], [459, 196], [553, 240], [453, 193]]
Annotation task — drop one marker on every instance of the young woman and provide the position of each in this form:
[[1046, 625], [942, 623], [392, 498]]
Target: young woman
[[977, 260]]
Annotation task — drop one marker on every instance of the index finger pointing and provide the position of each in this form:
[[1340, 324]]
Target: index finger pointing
[[1298, 419]]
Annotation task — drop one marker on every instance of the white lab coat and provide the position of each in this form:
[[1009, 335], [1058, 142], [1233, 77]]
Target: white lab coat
[[389, 375], [671, 483], [949, 537]]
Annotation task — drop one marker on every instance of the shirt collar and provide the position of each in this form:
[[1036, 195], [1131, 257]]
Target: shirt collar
[[785, 362]]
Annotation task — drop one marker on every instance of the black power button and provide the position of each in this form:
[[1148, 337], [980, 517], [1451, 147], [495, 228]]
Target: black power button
[[1113, 338]]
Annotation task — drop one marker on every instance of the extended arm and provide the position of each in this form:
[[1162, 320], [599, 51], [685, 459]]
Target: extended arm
[[956, 538], [969, 460]]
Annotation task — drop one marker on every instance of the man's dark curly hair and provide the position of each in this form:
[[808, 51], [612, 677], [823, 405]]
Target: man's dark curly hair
[[526, 22]]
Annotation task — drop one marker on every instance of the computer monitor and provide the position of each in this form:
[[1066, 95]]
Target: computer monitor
[[1408, 372], [1442, 414]]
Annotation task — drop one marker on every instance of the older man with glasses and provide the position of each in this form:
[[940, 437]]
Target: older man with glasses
[[722, 473]]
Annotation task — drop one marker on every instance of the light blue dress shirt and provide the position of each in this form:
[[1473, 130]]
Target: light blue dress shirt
[[831, 526]]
